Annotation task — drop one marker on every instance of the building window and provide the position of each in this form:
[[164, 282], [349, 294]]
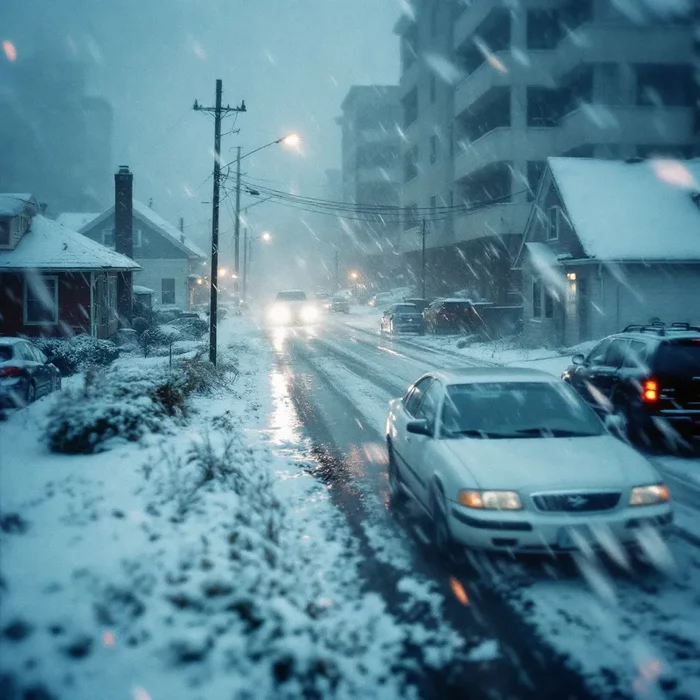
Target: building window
[[108, 237], [433, 148], [138, 238], [5, 228], [112, 298], [167, 293], [410, 108], [433, 88], [543, 29], [548, 305], [536, 299], [545, 106], [410, 164], [40, 300], [665, 85], [552, 223]]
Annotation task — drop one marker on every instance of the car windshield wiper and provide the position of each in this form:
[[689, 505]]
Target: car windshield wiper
[[551, 432], [484, 434]]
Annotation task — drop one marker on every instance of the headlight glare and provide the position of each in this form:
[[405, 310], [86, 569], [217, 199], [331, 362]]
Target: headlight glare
[[650, 495], [280, 314], [490, 500], [309, 314]]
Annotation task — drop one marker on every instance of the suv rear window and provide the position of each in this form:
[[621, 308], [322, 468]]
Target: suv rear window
[[406, 309], [5, 353], [681, 358], [456, 305], [291, 296]]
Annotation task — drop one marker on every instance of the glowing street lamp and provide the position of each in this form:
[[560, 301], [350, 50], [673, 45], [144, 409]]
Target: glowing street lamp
[[354, 275], [292, 140], [266, 237]]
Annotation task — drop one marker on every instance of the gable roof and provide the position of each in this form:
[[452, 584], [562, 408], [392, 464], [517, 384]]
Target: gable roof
[[631, 210], [12, 204], [165, 228], [76, 220], [48, 245]]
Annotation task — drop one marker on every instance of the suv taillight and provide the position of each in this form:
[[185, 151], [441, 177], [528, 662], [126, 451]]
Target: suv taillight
[[650, 391], [11, 371]]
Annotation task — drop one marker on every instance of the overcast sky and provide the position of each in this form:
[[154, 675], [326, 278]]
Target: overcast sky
[[291, 60]]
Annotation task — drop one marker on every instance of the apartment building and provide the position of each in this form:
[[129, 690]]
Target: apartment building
[[370, 171], [502, 86]]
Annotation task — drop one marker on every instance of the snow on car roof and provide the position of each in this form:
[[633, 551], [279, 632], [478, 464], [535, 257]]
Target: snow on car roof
[[6, 340], [49, 246], [632, 211], [476, 375]]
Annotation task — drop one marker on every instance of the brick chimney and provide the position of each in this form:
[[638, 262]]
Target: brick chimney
[[124, 239]]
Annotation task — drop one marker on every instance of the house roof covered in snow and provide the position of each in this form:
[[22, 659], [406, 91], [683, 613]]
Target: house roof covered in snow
[[76, 220], [48, 245], [642, 210], [12, 204], [146, 214]]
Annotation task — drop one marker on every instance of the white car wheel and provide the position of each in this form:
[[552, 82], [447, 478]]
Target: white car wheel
[[397, 496], [442, 537]]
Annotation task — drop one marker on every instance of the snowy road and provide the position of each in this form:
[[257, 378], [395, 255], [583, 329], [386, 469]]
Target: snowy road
[[631, 632]]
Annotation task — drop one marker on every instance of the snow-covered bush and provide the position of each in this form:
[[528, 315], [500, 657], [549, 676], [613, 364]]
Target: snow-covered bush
[[78, 353], [126, 402]]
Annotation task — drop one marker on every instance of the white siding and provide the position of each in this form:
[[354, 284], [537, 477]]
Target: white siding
[[154, 271]]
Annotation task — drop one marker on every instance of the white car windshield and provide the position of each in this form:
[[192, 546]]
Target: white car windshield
[[291, 296], [516, 410]]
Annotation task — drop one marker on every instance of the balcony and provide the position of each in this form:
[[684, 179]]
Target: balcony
[[378, 175], [606, 43], [600, 125], [541, 68], [471, 19], [496, 220], [504, 144]]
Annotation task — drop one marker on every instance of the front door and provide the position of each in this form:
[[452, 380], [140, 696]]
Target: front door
[[597, 378]]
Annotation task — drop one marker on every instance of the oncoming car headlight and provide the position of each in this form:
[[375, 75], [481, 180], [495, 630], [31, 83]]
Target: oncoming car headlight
[[490, 500], [279, 313], [651, 495], [309, 314]]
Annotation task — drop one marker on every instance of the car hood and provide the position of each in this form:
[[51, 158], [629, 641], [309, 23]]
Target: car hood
[[596, 462]]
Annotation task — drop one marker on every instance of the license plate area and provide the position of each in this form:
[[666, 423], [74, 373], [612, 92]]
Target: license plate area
[[573, 538]]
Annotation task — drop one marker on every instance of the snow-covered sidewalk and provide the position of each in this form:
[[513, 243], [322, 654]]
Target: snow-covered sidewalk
[[201, 564]]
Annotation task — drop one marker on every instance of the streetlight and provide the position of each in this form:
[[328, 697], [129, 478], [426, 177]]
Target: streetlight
[[354, 275], [266, 237]]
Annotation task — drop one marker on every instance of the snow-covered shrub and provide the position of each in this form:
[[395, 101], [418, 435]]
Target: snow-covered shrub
[[126, 401], [78, 353]]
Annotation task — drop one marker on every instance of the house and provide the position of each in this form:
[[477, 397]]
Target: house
[[53, 281], [610, 243], [169, 262]]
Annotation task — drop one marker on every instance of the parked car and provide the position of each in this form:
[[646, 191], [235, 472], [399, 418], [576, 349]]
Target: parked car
[[402, 318], [647, 378], [450, 316], [393, 296], [340, 305], [25, 373], [422, 304], [292, 308], [514, 460], [324, 300]]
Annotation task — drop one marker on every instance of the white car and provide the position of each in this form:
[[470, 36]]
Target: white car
[[513, 459]]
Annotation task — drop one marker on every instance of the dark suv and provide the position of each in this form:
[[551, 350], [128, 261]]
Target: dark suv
[[648, 378]]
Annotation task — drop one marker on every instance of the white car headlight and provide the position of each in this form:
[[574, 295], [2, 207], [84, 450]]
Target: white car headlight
[[279, 313], [309, 314], [650, 495], [490, 500]]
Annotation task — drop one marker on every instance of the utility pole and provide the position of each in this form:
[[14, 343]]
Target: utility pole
[[218, 111], [423, 260], [237, 223], [245, 263]]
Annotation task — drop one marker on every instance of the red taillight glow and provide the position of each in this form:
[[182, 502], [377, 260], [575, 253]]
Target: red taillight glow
[[650, 391], [11, 371]]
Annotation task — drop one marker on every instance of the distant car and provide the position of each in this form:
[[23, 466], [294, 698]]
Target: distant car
[[324, 300], [292, 308], [402, 318], [514, 460], [25, 373], [393, 296], [422, 304], [450, 316], [340, 305], [647, 378]]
